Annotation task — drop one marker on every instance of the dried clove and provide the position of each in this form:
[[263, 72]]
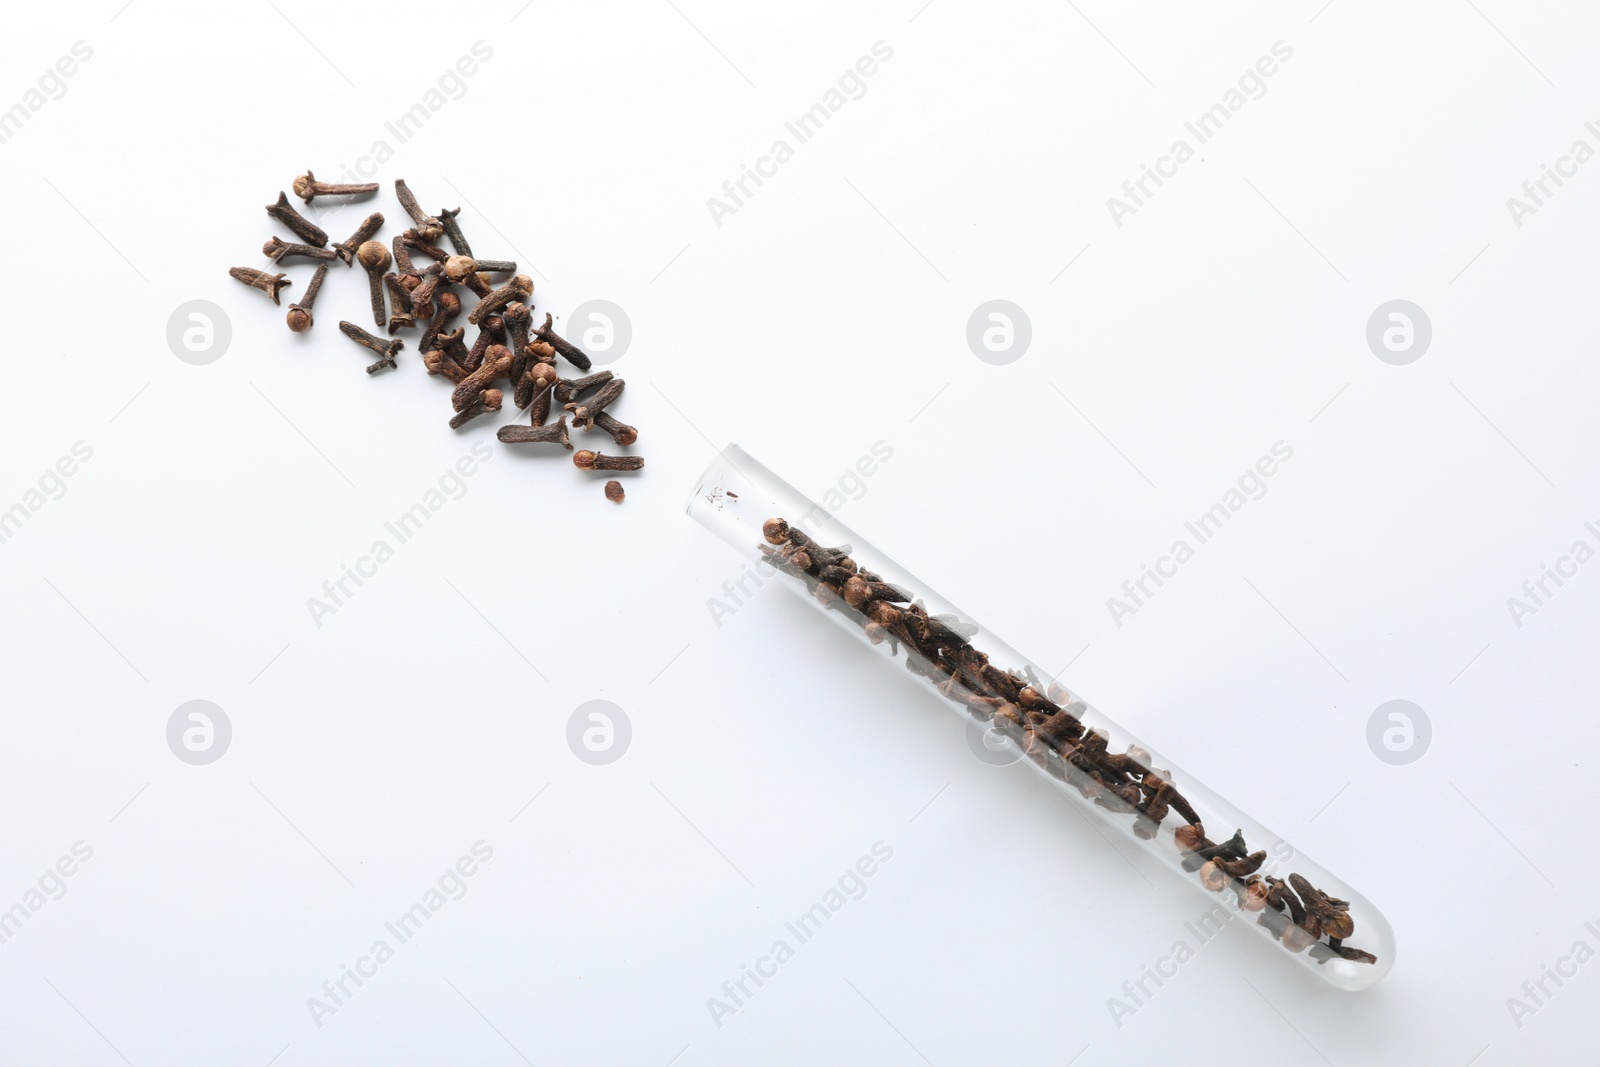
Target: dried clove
[[422, 292], [486, 401], [568, 390], [423, 295], [416, 241], [584, 411], [496, 365], [463, 270], [307, 188], [614, 491], [403, 266], [429, 227], [538, 381], [555, 433], [387, 350], [437, 361], [584, 459], [436, 325], [620, 432], [539, 409], [347, 248], [303, 228], [492, 332], [517, 317], [260, 279], [300, 312], [453, 346], [400, 316], [452, 231], [519, 288], [374, 257], [277, 250], [574, 355]]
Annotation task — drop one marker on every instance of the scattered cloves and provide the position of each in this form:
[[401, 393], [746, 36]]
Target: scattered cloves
[[508, 347]]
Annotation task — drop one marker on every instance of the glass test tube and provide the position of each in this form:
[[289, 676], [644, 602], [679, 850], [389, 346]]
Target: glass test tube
[[1316, 919]]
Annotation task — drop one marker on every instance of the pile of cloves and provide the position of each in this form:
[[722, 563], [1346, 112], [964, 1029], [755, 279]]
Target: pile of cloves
[[1046, 722], [509, 347]]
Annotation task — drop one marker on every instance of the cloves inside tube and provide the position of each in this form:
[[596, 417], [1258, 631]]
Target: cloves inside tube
[[1312, 918]]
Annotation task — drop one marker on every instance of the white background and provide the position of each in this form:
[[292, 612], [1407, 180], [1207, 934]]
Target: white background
[[828, 313]]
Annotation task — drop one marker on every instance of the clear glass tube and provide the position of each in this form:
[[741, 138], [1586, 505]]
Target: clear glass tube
[[1268, 883]]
